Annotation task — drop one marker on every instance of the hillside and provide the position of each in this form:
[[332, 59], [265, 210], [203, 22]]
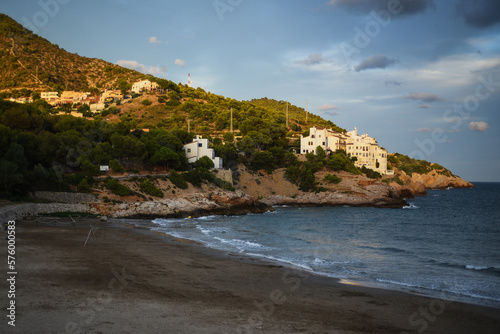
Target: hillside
[[30, 61], [145, 134]]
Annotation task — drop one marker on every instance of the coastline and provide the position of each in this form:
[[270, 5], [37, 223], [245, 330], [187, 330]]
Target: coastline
[[137, 280]]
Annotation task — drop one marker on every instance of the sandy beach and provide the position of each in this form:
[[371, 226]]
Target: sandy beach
[[129, 280]]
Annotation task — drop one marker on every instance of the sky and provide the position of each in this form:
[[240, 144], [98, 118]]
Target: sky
[[421, 76]]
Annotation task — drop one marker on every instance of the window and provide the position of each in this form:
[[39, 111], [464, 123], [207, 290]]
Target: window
[[312, 136], [188, 150], [323, 143], [200, 145]]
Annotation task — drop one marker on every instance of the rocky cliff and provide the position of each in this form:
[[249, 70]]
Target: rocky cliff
[[353, 190], [256, 192], [418, 184]]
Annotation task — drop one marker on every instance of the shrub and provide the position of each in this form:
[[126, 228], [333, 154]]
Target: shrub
[[116, 166], [84, 186], [370, 173], [149, 188], [178, 180], [340, 161], [330, 178], [146, 102], [117, 188]]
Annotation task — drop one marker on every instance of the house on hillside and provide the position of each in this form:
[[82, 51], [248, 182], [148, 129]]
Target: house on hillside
[[200, 148], [363, 147], [111, 96], [144, 85], [49, 96], [328, 139]]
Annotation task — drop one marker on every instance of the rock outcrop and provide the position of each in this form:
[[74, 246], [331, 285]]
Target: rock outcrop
[[256, 192], [200, 204], [418, 184]]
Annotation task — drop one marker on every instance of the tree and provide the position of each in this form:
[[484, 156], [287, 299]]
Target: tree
[[10, 177], [228, 137], [116, 166], [167, 157], [204, 162], [340, 161], [124, 86]]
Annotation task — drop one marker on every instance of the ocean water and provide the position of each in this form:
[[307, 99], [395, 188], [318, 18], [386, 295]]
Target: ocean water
[[445, 245]]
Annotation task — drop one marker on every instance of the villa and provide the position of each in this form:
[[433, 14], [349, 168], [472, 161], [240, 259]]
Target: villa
[[200, 148], [362, 147]]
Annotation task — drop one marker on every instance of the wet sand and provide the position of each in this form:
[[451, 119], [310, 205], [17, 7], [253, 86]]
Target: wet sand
[[129, 280]]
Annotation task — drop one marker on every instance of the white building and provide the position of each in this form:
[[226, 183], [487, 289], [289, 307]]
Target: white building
[[49, 96], [200, 148], [367, 152], [326, 138], [365, 148], [145, 85]]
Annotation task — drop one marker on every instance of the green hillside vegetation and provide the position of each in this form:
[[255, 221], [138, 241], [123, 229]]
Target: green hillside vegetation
[[29, 62], [409, 165]]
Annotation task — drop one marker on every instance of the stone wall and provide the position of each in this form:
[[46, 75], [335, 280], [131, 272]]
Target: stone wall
[[65, 197], [18, 211]]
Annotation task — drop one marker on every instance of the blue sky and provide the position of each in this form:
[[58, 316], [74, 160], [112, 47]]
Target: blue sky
[[422, 76]]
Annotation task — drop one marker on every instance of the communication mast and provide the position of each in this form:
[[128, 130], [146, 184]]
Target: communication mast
[[307, 109], [189, 80]]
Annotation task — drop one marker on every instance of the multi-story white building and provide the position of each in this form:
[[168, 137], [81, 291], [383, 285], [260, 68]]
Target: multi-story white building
[[49, 96], [365, 148], [326, 138], [145, 85], [367, 151], [200, 148]]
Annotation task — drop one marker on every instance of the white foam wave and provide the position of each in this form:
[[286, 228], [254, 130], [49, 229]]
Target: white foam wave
[[473, 267], [243, 244], [411, 206]]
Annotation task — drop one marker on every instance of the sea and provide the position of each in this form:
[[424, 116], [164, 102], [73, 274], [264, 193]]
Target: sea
[[445, 245]]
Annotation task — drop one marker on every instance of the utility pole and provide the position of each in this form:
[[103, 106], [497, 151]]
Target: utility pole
[[232, 120], [287, 115], [164, 72], [307, 109]]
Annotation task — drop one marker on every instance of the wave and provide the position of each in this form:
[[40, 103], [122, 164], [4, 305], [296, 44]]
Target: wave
[[411, 206], [485, 269], [243, 244], [482, 268], [206, 217], [447, 294]]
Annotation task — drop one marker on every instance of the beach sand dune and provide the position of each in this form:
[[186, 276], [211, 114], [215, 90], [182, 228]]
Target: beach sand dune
[[130, 280]]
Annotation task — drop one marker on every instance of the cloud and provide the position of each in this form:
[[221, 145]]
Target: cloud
[[133, 65], [327, 106], [478, 126], [423, 130], [479, 13], [375, 62], [409, 7], [154, 40], [424, 97], [313, 59], [179, 62], [393, 83], [424, 106]]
